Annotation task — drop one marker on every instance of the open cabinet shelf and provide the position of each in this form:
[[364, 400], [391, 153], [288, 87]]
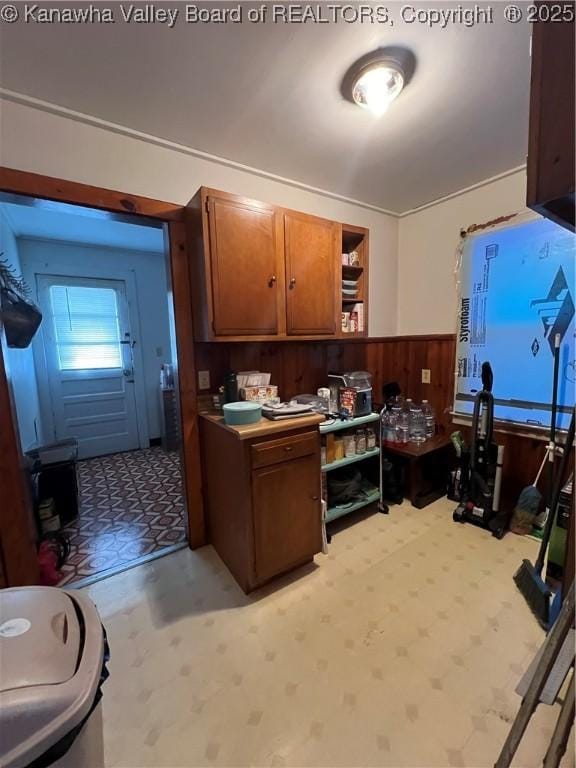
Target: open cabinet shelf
[[351, 272], [354, 278]]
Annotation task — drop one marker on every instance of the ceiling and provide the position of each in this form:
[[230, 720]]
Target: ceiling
[[267, 95], [57, 221]]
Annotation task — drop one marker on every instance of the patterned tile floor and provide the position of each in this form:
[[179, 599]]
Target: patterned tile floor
[[401, 647], [131, 505]]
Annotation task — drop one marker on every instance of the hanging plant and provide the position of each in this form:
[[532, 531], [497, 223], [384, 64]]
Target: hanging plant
[[20, 316]]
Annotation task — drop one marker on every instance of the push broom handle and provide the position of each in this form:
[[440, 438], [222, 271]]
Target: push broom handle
[[539, 564], [552, 452], [566, 457], [544, 460]]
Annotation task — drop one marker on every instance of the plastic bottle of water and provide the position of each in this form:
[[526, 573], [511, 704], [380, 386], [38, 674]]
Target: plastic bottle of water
[[393, 416], [391, 426], [429, 418], [403, 423], [417, 424], [385, 426]]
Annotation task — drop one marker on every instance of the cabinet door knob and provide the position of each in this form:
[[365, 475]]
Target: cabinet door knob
[[292, 282], [272, 280], [288, 448], [315, 498]]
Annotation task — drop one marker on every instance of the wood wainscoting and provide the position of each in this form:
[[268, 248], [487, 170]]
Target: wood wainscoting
[[301, 367]]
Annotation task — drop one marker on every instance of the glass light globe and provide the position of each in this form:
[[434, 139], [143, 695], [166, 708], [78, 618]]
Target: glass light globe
[[377, 87]]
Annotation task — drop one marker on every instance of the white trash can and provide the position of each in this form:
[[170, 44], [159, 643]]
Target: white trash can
[[53, 655]]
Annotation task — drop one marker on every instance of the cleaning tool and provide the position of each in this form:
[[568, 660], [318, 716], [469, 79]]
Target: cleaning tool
[[558, 545], [528, 504], [542, 596], [481, 467], [528, 577], [540, 522]]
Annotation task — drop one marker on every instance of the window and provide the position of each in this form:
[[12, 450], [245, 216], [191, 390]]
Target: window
[[516, 294], [86, 327]]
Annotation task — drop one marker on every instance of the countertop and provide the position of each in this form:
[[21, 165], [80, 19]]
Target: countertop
[[265, 427]]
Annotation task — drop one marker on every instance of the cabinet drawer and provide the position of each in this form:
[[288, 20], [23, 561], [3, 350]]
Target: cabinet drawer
[[275, 451]]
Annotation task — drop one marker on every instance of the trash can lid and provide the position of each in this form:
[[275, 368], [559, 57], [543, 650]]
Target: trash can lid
[[39, 637], [52, 651]]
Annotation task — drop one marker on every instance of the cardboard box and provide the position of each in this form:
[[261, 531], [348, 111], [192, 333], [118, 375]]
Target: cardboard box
[[258, 394]]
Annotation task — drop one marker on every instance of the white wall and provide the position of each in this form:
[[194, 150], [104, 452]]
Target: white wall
[[149, 271], [427, 244], [46, 143], [19, 363], [412, 288]]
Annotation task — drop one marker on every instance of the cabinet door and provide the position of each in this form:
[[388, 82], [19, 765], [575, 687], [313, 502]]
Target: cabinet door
[[311, 249], [287, 515], [551, 156], [244, 267]]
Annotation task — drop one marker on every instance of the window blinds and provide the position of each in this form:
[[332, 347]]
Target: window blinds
[[86, 327]]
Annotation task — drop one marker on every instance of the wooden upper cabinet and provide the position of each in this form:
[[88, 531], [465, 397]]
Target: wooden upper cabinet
[[312, 257], [550, 189], [245, 266], [260, 272]]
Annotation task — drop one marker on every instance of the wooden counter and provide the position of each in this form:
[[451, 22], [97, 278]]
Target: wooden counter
[[262, 495], [265, 427]]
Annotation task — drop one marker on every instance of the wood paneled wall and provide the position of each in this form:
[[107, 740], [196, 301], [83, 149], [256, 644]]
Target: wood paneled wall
[[301, 367]]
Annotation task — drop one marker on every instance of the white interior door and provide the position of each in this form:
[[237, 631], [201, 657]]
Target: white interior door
[[88, 350]]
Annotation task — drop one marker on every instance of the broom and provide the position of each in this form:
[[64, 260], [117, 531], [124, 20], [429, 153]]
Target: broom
[[528, 577], [526, 509]]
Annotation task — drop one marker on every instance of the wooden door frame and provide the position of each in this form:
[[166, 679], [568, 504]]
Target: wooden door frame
[[19, 562]]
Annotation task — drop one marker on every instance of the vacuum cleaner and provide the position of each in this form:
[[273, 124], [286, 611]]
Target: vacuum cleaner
[[481, 467]]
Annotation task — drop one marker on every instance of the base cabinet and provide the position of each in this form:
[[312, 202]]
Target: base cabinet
[[262, 500], [285, 500]]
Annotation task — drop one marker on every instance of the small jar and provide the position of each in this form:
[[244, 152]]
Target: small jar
[[349, 446], [370, 439], [360, 441], [323, 455], [338, 448]]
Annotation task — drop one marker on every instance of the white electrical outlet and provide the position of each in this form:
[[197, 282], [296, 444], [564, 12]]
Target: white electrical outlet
[[425, 375], [203, 379]]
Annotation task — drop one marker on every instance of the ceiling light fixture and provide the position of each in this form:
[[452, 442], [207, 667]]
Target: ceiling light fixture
[[378, 78], [377, 87]]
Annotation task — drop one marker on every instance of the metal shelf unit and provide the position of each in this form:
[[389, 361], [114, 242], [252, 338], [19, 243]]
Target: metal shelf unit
[[335, 426]]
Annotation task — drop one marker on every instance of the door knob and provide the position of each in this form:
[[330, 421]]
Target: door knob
[[272, 280], [292, 282], [315, 498]]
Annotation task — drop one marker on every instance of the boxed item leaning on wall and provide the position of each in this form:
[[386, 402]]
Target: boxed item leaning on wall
[[351, 259], [259, 394], [253, 379], [353, 321], [255, 386]]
